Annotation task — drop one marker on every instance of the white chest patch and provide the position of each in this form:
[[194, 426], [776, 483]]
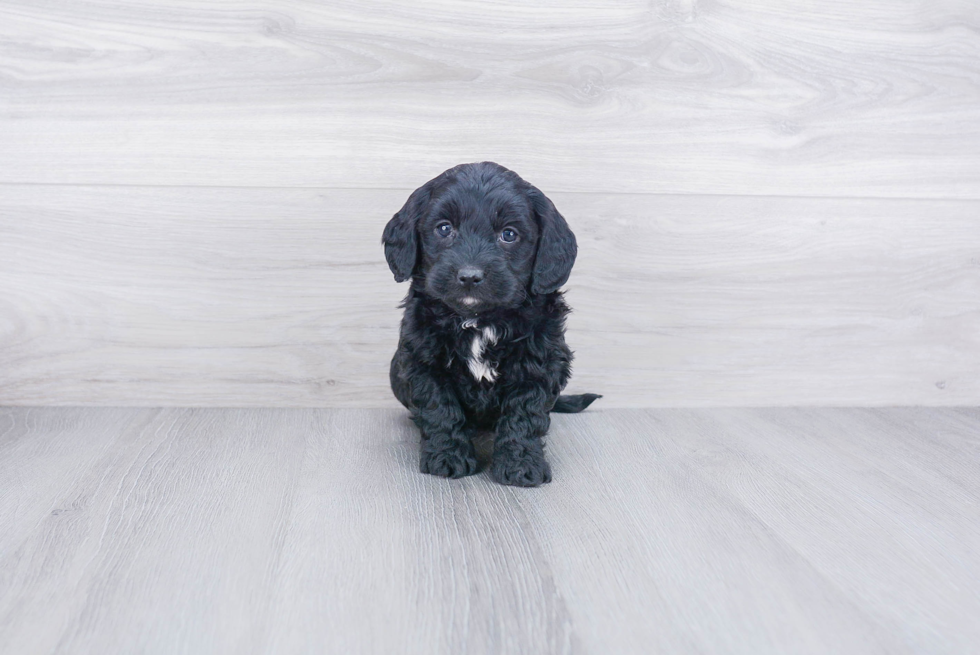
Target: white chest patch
[[480, 369]]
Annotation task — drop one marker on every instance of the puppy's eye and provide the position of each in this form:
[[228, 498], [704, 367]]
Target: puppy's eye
[[508, 235], [444, 229]]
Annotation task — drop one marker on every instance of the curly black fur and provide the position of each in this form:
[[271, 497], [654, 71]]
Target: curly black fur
[[486, 253]]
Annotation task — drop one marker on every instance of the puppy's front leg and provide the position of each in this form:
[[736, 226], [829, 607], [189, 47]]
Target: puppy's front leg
[[518, 452], [446, 449]]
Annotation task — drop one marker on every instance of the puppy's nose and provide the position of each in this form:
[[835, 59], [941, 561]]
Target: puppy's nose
[[470, 276]]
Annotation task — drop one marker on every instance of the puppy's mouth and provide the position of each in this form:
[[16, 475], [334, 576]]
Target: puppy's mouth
[[468, 304]]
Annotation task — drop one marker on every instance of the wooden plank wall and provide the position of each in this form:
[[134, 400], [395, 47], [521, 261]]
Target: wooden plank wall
[[776, 204]]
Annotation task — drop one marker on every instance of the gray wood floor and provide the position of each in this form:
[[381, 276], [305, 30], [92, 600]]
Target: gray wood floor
[[304, 530]]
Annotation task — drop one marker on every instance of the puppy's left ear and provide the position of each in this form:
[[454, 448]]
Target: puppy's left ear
[[556, 246], [399, 239]]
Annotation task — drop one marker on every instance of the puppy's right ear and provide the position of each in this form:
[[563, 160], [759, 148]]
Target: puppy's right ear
[[399, 238]]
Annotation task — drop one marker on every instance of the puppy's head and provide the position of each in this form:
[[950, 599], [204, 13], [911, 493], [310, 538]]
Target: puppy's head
[[480, 238]]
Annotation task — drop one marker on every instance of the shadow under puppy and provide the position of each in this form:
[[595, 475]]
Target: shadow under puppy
[[482, 343]]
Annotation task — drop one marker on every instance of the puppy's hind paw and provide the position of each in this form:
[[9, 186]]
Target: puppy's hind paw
[[454, 460], [527, 470]]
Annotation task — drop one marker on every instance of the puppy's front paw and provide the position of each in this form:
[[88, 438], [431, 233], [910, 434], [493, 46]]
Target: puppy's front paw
[[452, 459], [520, 467]]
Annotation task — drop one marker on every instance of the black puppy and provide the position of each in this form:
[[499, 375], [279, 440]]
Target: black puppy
[[482, 342]]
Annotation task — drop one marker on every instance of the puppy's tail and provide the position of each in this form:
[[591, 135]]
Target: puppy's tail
[[574, 404]]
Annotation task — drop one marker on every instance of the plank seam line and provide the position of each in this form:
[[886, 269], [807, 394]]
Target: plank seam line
[[407, 190]]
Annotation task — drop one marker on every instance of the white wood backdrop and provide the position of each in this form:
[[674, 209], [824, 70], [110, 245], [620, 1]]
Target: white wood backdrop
[[776, 203]]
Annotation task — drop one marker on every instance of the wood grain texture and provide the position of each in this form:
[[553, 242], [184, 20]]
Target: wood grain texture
[[243, 297], [184, 510], [835, 98], [683, 531]]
